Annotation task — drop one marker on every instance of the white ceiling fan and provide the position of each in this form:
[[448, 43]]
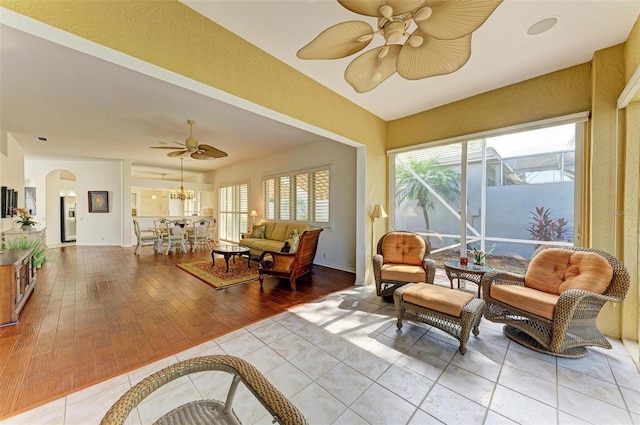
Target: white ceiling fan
[[437, 37], [191, 148]]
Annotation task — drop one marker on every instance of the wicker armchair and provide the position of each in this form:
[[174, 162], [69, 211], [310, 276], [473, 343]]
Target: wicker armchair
[[291, 265], [560, 320], [207, 411], [401, 259]]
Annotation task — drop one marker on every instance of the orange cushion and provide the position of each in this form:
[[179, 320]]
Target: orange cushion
[[528, 299], [403, 248], [556, 270], [444, 300], [403, 273]]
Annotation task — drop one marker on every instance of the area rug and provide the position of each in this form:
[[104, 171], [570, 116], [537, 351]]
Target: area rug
[[217, 277]]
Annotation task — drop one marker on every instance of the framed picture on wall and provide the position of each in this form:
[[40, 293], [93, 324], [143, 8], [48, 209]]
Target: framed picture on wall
[[98, 201], [15, 202], [3, 202], [11, 202], [30, 200]]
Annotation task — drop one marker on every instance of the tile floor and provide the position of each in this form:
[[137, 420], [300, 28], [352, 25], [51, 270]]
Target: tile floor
[[341, 360]]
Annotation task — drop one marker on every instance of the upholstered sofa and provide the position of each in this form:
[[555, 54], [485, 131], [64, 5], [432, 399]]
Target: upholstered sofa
[[272, 237]]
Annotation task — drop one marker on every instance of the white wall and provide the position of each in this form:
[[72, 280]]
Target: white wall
[[337, 246], [11, 173], [92, 228]]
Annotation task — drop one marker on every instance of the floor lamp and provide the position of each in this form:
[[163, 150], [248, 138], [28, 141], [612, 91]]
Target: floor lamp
[[378, 212], [253, 214]]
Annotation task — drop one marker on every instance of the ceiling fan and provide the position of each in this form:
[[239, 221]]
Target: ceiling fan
[[192, 149], [437, 37]]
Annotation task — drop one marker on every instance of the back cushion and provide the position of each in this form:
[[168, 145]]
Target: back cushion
[[556, 270], [279, 232], [403, 248], [301, 229], [268, 230]]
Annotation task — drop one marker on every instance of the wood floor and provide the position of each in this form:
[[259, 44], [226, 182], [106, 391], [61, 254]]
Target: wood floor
[[97, 312]]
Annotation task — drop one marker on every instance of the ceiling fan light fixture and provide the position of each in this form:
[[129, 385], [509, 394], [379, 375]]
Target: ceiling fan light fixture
[[192, 148], [393, 32], [422, 14], [386, 11], [440, 45], [416, 40]]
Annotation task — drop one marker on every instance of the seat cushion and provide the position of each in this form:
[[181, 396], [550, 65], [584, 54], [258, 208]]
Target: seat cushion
[[556, 270], [444, 300], [537, 302], [403, 273], [403, 248]]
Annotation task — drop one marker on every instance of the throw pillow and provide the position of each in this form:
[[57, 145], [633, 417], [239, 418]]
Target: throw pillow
[[295, 241], [258, 231], [292, 233]]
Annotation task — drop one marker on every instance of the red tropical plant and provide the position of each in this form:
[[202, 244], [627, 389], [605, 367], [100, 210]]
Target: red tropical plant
[[544, 228]]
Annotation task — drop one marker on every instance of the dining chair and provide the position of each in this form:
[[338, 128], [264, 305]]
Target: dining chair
[[176, 235], [199, 233]]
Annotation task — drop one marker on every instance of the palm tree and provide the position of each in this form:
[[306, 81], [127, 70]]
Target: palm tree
[[443, 180]]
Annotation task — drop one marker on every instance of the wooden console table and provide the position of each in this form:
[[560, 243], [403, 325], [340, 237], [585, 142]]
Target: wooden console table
[[17, 280]]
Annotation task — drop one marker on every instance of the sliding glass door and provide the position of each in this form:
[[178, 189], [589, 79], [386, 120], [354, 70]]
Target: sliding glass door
[[507, 194]]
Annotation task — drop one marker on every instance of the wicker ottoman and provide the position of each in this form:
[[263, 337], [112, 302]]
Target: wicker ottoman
[[454, 312]]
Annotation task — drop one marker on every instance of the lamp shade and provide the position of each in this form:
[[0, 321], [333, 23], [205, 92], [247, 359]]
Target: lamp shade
[[253, 213], [378, 212]]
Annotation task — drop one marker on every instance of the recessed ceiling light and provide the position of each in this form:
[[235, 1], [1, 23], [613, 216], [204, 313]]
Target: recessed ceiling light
[[543, 25], [42, 139]]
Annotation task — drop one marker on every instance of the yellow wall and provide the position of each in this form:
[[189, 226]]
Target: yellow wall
[[559, 93], [631, 199]]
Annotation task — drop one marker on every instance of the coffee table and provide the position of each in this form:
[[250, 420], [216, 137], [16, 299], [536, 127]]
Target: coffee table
[[471, 272], [227, 251]]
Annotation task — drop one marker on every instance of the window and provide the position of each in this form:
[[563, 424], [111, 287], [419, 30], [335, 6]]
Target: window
[[506, 193], [302, 195], [234, 213]]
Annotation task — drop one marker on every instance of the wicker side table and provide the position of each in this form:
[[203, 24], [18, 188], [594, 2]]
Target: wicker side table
[[433, 305], [472, 273]]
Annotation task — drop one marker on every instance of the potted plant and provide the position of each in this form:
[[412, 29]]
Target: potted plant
[[25, 221]]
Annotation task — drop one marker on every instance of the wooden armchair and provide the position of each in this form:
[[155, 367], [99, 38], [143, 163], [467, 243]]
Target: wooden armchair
[[291, 265], [553, 308], [401, 259]]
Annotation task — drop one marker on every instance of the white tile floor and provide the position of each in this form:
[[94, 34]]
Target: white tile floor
[[341, 360]]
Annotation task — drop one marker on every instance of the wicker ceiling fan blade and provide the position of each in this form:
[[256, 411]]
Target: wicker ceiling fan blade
[[176, 154], [211, 152], [372, 7], [162, 147], [369, 70], [433, 57], [454, 19], [338, 41]]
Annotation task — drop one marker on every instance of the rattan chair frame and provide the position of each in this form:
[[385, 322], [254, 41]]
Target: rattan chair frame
[[573, 327], [385, 287], [278, 406], [458, 327]]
